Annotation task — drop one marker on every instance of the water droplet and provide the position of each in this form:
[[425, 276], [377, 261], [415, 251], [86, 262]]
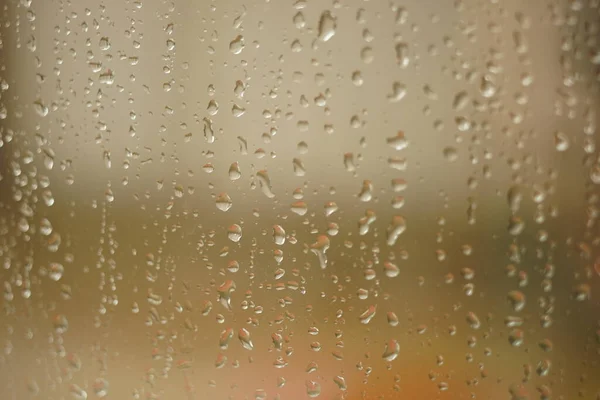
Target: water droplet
[[237, 45], [392, 319], [561, 141], [595, 174], [220, 361], [327, 26], [366, 192], [245, 339], [299, 207], [237, 111], [349, 162], [516, 226], [330, 208], [367, 55], [77, 392], [357, 78], [473, 320], [100, 387], [265, 183], [543, 367], [40, 108], [450, 154], [209, 134], [234, 172], [311, 367], [299, 169], [461, 100], [582, 292], [402, 54], [391, 269], [516, 337], [313, 389], [368, 314], [487, 87], [398, 142], [213, 107], [395, 229], [225, 291], [299, 20], [225, 338], [517, 300], [61, 324], [278, 235], [55, 271], [546, 345], [234, 233], [320, 248], [398, 92], [392, 349], [514, 198], [223, 202], [104, 43]]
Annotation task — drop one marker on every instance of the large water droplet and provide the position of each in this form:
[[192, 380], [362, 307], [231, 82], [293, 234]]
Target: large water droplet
[[392, 349], [327, 26], [237, 45]]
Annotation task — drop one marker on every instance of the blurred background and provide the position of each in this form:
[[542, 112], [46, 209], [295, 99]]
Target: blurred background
[[299, 199]]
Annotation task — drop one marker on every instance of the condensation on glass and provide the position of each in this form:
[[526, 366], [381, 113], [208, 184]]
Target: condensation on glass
[[299, 199]]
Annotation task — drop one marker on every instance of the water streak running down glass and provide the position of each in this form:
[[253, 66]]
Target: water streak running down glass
[[293, 199]]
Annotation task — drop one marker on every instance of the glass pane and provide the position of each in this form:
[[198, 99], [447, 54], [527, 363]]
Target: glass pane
[[299, 199]]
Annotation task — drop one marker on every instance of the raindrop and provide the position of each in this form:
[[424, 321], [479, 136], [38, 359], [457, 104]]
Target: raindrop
[[473, 320], [265, 183], [237, 45], [391, 269], [340, 381], [225, 291], [366, 192], [402, 54], [392, 349], [320, 248], [561, 141], [368, 314], [398, 92], [327, 26], [313, 389], [392, 319], [517, 300], [398, 142], [100, 387], [461, 100], [234, 172], [55, 271], [395, 229], [40, 108], [234, 233], [278, 235], [223, 202], [245, 340], [450, 154]]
